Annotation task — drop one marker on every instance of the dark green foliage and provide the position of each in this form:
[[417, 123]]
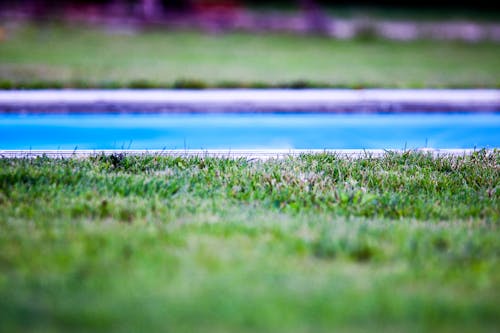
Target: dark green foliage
[[189, 84]]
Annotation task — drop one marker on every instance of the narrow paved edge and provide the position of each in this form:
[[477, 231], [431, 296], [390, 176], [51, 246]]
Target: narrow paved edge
[[250, 100], [260, 154]]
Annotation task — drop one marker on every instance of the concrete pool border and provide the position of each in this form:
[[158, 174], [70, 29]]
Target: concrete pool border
[[249, 154], [249, 100]]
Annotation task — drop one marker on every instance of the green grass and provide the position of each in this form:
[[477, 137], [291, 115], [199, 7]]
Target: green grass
[[316, 243], [58, 56]]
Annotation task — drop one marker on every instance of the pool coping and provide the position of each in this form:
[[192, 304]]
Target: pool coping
[[248, 100], [248, 154]]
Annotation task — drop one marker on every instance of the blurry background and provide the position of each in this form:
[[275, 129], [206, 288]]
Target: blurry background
[[223, 14], [231, 43]]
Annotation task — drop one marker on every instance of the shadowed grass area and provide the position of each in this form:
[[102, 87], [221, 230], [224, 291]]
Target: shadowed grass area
[[57, 56], [309, 244]]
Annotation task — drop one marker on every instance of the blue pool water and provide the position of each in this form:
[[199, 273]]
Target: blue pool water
[[246, 131]]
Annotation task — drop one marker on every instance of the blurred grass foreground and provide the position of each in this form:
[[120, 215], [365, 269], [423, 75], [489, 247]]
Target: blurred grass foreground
[[316, 243], [218, 47]]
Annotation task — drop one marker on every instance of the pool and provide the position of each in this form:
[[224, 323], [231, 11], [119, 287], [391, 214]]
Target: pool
[[250, 131]]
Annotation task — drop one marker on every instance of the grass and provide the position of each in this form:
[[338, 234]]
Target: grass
[[315, 243], [60, 56]]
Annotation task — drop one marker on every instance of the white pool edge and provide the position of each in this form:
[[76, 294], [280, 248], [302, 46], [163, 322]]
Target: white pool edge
[[253, 100], [249, 154]]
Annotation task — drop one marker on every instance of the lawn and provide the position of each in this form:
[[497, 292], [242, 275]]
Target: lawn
[[315, 243], [59, 56]]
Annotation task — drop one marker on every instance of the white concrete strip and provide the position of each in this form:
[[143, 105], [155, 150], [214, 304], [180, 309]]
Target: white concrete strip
[[250, 154], [255, 96]]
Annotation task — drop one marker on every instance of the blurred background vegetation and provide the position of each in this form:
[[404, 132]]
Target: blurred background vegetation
[[155, 9], [239, 44]]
